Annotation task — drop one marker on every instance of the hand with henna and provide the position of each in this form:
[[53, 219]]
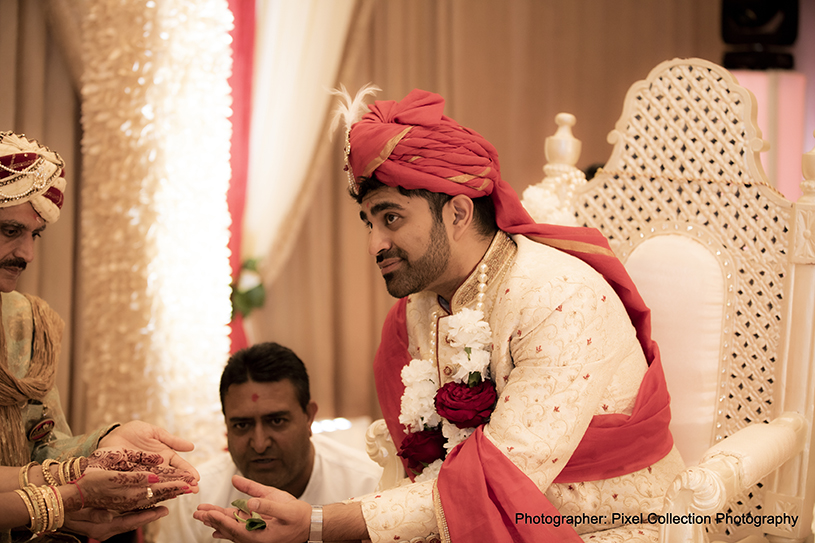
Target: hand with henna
[[139, 435], [133, 460], [117, 491], [122, 490]]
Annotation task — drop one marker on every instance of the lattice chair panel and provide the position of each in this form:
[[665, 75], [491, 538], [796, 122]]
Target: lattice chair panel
[[685, 163], [689, 119]]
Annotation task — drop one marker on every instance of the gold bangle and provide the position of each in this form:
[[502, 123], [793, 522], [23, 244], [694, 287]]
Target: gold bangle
[[60, 507], [54, 517], [23, 477], [50, 508], [28, 505], [63, 475], [76, 468], [46, 471], [43, 507], [39, 508]]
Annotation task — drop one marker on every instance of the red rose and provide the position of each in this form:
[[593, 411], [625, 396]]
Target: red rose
[[466, 406], [422, 448]]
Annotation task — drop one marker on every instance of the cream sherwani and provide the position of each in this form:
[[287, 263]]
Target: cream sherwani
[[564, 350]]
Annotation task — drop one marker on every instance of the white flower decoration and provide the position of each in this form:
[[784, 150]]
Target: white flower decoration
[[419, 370], [431, 471], [471, 335], [476, 361], [454, 434], [418, 409], [469, 329]]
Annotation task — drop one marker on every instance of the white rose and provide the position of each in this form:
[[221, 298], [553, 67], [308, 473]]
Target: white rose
[[454, 434], [478, 360], [417, 406]]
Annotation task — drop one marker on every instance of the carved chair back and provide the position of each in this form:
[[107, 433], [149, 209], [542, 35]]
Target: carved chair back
[[726, 264]]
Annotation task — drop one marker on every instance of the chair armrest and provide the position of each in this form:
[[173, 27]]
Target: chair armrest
[[380, 447], [727, 469]]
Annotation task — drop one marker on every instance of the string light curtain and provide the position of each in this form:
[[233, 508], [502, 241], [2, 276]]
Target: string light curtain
[[154, 260]]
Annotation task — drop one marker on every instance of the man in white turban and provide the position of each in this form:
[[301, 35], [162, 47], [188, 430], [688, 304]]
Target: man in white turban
[[32, 186]]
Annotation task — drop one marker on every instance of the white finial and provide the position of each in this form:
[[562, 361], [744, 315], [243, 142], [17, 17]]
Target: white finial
[[552, 200], [563, 147], [808, 169]]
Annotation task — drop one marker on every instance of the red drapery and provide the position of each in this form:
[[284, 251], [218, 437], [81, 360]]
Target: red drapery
[[243, 46]]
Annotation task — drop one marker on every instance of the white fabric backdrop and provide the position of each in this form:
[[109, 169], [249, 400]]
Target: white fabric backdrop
[[298, 50]]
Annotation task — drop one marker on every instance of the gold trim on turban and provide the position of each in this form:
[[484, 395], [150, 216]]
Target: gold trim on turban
[[385, 152]]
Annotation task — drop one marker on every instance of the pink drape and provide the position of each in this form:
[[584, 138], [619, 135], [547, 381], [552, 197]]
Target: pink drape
[[243, 45]]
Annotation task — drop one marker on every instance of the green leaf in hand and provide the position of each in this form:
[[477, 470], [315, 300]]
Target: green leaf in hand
[[255, 522]]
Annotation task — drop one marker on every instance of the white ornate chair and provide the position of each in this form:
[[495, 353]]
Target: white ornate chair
[[727, 266]]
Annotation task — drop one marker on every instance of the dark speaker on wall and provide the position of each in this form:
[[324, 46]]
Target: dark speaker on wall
[[759, 33]]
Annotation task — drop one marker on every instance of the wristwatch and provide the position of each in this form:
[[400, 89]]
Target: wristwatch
[[315, 532]]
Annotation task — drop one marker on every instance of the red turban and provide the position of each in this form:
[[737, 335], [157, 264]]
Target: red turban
[[412, 144]]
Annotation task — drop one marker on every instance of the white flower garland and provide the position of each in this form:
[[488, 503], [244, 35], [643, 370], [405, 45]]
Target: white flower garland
[[471, 334]]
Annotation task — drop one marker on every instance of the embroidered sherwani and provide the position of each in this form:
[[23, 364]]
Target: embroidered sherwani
[[564, 350]]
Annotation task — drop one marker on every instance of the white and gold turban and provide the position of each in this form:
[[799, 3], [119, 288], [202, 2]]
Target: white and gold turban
[[30, 172]]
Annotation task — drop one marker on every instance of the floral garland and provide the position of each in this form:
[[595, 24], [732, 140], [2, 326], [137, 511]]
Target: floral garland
[[438, 419]]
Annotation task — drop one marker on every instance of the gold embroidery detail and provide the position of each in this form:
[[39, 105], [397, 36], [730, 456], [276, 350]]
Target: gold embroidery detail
[[441, 520], [385, 152], [464, 178]]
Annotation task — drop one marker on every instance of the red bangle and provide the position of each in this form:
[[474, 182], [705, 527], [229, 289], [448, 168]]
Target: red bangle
[[81, 497]]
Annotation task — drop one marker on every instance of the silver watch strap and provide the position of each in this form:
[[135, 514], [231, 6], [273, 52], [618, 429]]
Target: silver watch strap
[[315, 532]]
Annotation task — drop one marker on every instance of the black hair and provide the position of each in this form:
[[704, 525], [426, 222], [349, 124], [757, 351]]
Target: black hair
[[483, 208], [266, 363]]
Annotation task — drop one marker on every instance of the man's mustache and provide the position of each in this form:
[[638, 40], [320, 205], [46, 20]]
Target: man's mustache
[[394, 252], [14, 262]]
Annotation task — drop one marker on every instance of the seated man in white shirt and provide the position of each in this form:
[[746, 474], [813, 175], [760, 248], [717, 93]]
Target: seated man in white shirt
[[268, 411]]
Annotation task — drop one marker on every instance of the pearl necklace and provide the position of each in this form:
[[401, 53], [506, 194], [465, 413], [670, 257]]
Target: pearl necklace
[[482, 287]]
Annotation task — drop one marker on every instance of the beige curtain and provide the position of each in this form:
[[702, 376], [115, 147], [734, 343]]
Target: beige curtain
[[506, 69]]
